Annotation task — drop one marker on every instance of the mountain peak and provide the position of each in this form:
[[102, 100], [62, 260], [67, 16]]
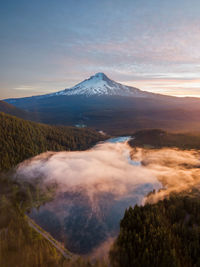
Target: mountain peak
[[100, 75], [99, 85]]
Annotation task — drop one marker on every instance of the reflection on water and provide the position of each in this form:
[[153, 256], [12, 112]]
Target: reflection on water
[[119, 139]]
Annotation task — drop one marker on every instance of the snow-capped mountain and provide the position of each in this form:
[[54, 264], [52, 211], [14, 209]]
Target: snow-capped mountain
[[100, 84], [101, 103]]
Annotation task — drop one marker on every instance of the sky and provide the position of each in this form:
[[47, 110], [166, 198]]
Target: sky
[[50, 45]]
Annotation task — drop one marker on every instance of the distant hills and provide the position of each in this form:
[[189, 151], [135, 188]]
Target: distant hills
[[104, 104], [12, 110], [156, 138]]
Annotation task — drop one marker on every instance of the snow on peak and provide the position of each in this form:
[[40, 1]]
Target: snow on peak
[[100, 84]]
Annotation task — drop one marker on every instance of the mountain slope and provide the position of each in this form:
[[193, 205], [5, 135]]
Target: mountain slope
[[104, 104], [21, 139], [12, 110]]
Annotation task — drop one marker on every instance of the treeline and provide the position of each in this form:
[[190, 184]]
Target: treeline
[[156, 138], [21, 139], [162, 234]]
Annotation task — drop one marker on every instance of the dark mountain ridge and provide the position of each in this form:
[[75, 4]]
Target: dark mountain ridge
[[12, 110]]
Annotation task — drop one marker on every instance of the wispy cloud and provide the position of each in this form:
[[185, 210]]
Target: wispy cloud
[[129, 40]]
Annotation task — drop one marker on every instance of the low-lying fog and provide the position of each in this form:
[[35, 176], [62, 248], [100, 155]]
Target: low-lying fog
[[94, 187]]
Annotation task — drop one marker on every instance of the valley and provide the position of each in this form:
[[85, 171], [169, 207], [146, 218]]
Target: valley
[[82, 217], [86, 207], [100, 133], [79, 207], [73, 204]]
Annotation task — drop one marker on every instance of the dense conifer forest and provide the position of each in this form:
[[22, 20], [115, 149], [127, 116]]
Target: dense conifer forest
[[156, 138], [21, 139], [163, 234]]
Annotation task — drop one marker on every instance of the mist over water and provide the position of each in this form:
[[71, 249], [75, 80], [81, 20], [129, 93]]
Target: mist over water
[[177, 170], [94, 187], [106, 168]]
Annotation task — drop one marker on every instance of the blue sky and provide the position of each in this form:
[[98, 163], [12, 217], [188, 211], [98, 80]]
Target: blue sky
[[46, 46]]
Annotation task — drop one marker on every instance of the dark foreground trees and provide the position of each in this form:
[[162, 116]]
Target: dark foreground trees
[[162, 234]]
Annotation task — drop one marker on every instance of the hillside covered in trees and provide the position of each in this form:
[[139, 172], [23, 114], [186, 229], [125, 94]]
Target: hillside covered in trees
[[162, 234], [156, 138], [21, 139], [12, 110]]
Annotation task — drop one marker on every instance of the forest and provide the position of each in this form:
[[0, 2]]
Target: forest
[[163, 234], [21, 139], [157, 138]]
